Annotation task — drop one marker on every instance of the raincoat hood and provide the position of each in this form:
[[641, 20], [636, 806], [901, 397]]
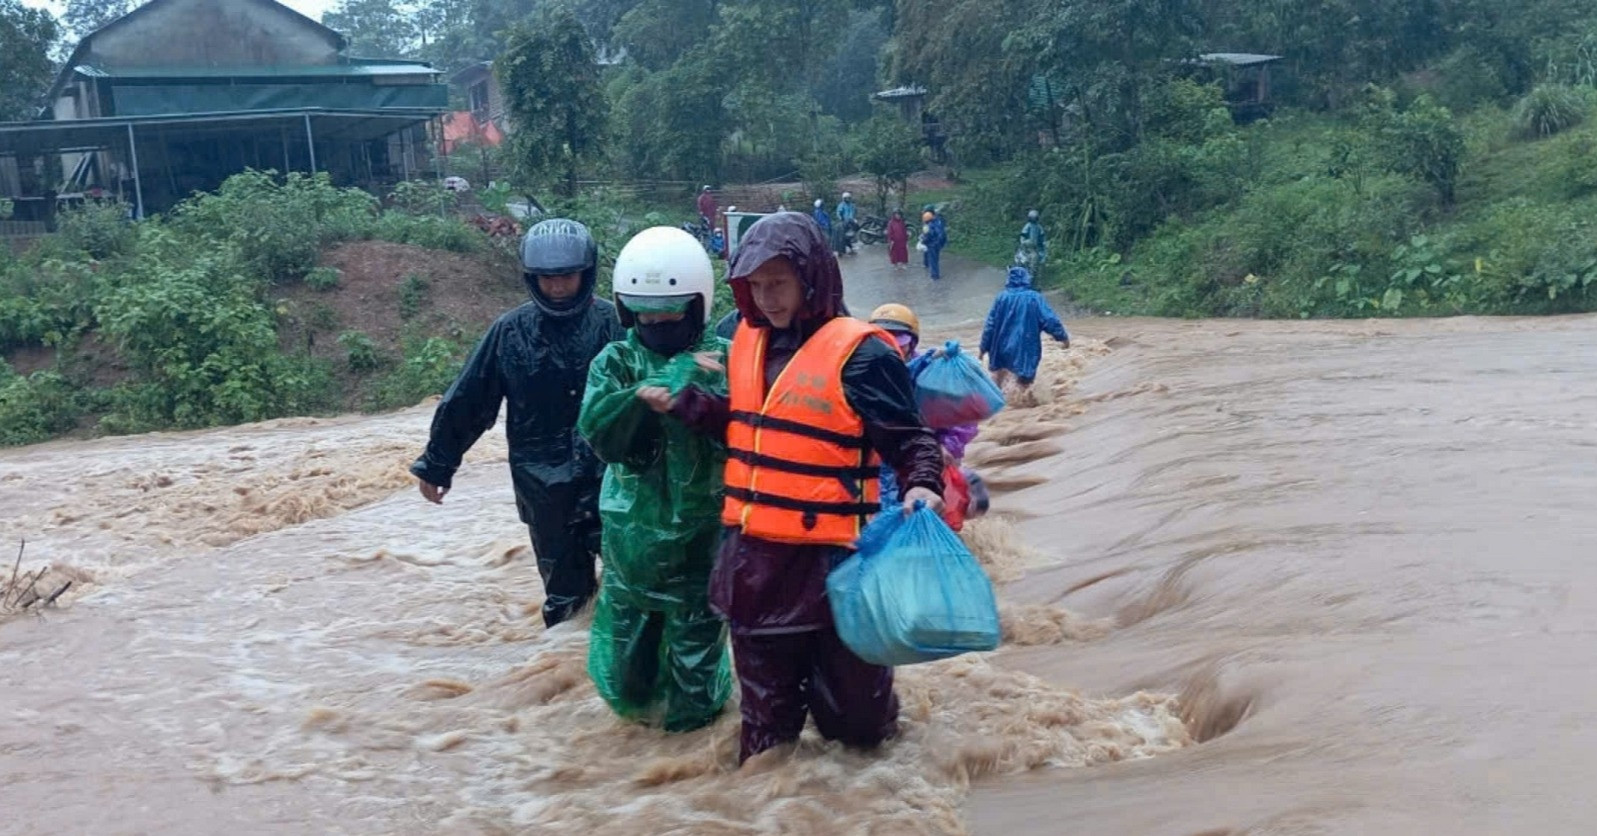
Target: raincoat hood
[[1019, 278], [797, 238]]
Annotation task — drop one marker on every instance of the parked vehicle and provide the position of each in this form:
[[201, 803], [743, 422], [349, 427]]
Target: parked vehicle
[[872, 230]]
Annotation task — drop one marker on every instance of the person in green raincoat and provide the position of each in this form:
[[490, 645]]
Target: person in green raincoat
[[657, 653]]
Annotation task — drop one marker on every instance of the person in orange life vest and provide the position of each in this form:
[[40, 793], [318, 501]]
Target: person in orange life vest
[[817, 400]]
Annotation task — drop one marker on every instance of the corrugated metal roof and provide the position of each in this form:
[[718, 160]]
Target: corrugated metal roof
[[367, 70], [1239, 59], [470, 70], [902, 92], [92, 134]]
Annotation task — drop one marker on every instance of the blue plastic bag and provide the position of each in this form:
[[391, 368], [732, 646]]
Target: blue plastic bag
[[912, 593], [953, 389]]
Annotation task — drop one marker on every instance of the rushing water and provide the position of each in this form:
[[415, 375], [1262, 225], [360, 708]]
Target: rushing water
[[1347, 557]]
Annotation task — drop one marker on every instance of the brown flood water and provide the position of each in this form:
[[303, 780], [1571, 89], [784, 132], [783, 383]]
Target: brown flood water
[[1257, 577]]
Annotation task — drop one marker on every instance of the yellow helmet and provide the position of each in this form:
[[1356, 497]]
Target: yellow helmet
[[898, 318]]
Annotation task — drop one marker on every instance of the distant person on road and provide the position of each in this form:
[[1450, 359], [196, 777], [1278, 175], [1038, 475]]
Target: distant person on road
[[935, 237], [706, 205], [1033, 243], [816, 400], [823, 219], [656, 652], [898, 241], [534, 359], [1011, 341], [846, 213]]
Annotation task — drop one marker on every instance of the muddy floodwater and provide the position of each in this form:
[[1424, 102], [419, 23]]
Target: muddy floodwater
[[1255, 578]]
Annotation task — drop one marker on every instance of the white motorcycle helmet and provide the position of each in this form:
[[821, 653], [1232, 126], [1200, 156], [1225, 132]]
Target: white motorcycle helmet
[[664, 270], [847, 196]]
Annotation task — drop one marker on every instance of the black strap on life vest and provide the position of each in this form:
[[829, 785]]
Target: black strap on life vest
[[766, 422], [805, 506], [761, 460]]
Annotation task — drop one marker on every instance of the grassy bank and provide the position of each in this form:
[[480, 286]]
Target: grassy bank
[[1316, 224]]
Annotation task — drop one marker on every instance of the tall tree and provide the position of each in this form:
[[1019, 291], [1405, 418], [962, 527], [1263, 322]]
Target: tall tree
[[977, 87], [890, 151], [375, 28], [673, 122], [551, 85], [85, 16], [26, 37], [844, 84], [658, 33]]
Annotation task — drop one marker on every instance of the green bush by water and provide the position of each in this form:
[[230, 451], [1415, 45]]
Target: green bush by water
[[188, 302]]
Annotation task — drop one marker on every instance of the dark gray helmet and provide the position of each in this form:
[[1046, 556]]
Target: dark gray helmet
[[557, 247]]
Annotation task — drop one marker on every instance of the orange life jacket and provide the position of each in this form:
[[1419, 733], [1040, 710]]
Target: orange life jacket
[[798, 468]]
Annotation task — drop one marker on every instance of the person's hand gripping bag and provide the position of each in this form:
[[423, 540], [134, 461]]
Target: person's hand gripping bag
[[953, 389], [912, 593]]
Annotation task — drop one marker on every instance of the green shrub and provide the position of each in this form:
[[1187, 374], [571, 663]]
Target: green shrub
[[36, 407], [204, 345], [361, 352], [46, 300], [428, 232], [1304, 247], [1467, 77], [323, 278], [1577, 171], [424, 197], [277, 228], [1422, 141], [1549, 109], [99, 228], [428, 368], [413, 294], [1534, 257], [322, 317]]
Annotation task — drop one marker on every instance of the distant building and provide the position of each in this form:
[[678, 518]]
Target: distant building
[[480, 90], [1245, 79], [178, 95], [911, 103]]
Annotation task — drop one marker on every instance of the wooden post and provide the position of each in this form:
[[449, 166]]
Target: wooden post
[[138, 185], [310, 142]]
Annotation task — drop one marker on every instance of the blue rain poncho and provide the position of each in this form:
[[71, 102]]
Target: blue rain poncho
[[1012, 338]]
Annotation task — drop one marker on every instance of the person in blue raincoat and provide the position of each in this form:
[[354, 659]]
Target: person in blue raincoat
[[846, 212], [823, 219], [935, 237], [1011, 341], [1033, 243]]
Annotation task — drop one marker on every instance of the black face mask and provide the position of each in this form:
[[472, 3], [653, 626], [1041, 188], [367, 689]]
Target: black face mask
[[669, 338]]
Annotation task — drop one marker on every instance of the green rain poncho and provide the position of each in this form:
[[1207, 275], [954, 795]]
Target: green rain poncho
[[656, 653]]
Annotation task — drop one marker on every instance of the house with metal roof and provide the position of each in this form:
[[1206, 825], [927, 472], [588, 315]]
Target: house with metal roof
[[178, 95]]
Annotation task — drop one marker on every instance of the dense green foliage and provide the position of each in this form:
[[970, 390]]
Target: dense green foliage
[[1423, 158], [26, 37], [551, 86], [1334, 217], [189, 304]]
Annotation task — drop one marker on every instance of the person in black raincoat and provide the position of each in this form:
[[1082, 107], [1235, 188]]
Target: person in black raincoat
[[535, 359], [790, 662]]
